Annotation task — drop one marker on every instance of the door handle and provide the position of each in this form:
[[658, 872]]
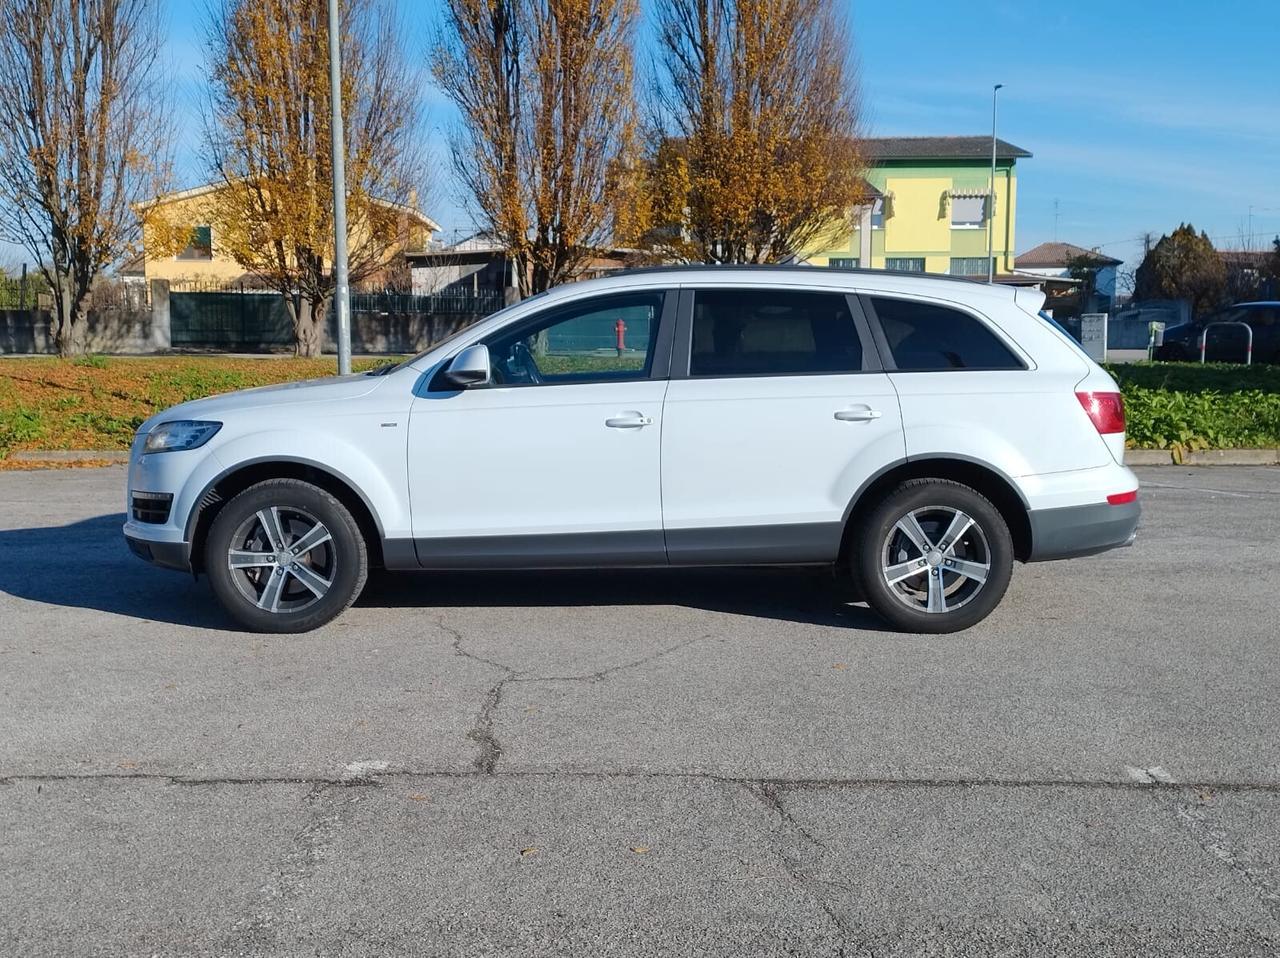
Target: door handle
[[858, 414], [629, 420]]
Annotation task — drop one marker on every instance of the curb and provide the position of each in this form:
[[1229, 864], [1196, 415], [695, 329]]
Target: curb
[[69, 455], [1205, 457]]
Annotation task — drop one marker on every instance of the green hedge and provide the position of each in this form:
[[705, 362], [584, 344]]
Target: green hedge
[[1185, 406]]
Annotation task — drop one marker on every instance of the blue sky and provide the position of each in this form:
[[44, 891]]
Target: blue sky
[[1140, 113]]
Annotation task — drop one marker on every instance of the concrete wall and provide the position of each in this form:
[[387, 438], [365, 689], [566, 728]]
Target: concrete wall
[[127, 326], [112, 331]]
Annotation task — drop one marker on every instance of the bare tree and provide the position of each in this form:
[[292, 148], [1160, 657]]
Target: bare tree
[[269, 138], [544, 89], [84, 135], [754, 152]]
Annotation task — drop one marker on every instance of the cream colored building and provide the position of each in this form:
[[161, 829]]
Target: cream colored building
[[202, 260]]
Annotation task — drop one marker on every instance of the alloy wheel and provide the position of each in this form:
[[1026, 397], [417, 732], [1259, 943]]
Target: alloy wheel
[[282, 559], [935, 559]]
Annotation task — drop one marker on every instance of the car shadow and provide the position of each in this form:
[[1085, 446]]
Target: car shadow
[[87, 565], [807, 596]]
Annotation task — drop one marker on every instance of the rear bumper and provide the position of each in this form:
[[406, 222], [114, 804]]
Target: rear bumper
[[1082, 530]]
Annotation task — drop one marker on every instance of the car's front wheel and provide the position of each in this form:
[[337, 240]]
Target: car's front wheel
[[285, 556], [933, 556]]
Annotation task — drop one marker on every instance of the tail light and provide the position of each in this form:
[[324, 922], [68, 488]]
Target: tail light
[[1105, 411], [1122, 498]]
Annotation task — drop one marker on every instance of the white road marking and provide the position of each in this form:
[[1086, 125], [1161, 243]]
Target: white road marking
[[1214, 492], [365, 769], [1149, 776]]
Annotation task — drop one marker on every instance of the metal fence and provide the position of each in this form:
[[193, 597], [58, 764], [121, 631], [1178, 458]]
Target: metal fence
[[446, 302], [231, 320], [211, 315]]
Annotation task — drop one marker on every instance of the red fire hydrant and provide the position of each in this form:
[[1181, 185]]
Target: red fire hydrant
[[620, 330]]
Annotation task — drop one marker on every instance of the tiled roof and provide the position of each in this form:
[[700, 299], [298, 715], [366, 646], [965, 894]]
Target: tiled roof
[[1053, 255], [939, 148]]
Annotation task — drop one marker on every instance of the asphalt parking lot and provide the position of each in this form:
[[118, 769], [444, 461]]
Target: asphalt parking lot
[[644, 763]]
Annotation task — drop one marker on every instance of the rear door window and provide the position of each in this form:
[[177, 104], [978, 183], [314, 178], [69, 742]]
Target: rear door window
[[924, 337], [761, 332]]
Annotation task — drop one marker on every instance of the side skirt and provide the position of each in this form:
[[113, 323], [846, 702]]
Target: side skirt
[[787, 544]]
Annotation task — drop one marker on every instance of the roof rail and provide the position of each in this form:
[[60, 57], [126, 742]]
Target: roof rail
[[791, 267]]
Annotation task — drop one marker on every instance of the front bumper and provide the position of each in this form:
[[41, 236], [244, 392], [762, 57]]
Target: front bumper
[[161, 536], [1073, 531], [168, 555]]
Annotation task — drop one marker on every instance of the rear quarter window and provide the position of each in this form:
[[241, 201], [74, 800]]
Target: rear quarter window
[[924, 337]]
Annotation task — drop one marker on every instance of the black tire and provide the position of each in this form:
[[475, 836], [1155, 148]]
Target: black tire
[[309, 589], [1172, 353], [879, 545]]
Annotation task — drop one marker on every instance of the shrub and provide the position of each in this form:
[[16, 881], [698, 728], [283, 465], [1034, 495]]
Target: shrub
[[1181, 406]]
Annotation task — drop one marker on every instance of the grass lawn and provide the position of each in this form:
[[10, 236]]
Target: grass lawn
[[98, 403]]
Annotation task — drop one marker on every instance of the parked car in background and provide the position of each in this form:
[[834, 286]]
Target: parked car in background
[[1227, 344], [916, 434]]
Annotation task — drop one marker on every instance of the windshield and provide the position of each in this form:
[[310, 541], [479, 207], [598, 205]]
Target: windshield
[[392, 367]]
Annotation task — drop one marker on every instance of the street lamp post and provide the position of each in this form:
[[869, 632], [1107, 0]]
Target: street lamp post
[[342, 295], [991, 193]]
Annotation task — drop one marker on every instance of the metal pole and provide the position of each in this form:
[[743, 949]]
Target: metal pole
[[342, 295], [991, 195]]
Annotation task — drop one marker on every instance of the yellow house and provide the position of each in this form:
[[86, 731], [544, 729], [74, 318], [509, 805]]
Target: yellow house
[[931, 208], [202, 261]]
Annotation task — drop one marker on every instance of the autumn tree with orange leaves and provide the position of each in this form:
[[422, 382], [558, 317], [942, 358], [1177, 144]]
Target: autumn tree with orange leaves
[[753, 150], [83, 137], [269, 140], [544, 92]]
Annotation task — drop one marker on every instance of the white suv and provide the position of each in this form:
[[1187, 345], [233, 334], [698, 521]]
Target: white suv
[[917, 434]]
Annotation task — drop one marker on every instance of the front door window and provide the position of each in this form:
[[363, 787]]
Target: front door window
[[606, 339]]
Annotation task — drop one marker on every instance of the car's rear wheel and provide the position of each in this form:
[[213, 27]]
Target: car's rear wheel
[[285, 556], [933, 556]]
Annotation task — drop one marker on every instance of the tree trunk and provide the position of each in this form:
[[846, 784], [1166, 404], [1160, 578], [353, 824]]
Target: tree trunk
[[72, 320], [310, 319], [308, 331]]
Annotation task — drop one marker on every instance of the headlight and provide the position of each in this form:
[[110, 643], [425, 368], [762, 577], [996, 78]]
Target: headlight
[[179, 435]]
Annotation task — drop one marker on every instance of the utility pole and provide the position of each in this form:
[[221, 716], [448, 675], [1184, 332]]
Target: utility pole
[[342, 295], [991, 195]]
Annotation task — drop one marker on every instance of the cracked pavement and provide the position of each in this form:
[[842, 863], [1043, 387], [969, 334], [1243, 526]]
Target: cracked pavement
[[644, 763]]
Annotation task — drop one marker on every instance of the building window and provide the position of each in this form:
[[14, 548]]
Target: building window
[[970, 265], [843, 262], [905, 264], [877, 213], [968, 212], [200, 245]]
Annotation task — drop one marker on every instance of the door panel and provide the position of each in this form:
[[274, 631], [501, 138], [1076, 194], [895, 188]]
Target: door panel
[[761, 469], [556, 461], [777, 418], [536, 461]]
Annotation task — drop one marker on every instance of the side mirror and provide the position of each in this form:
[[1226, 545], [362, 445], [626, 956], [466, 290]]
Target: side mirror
[[469, 368]]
